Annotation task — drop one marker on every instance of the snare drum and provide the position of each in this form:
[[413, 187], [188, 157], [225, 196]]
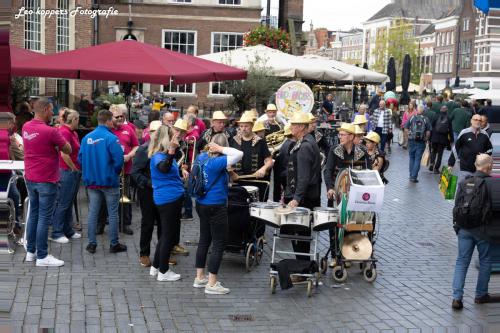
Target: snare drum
[[265, 211], [298, 219], [253, 191], [324, 218]]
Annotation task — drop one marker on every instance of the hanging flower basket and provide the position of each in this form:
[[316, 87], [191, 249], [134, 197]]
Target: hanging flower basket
[[271, 37]]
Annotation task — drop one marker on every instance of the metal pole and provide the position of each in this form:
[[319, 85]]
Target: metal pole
[[457, 78], [268, 13]]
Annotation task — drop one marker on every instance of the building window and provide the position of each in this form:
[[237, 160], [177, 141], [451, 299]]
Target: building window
[[466, 22], [32, 26], [181, 1], [63, 26], [465, 54], [229, 2], [62, 88], [182, 42], [223, 41]]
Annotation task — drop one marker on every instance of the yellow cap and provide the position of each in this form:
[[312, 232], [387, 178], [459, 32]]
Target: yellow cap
[[287, 130], [219, 115], [360, 119], [373, 136], [300, 118], [358, 130], [312, 118], [271, 107], [246, 118], [154, 125], [258, 126], [347, 127], [181, 125]]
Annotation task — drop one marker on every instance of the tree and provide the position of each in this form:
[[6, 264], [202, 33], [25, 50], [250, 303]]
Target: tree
[[256, 90], [397, 41], [271, 37], [20, 90]]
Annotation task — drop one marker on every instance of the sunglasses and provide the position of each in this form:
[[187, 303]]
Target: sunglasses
[[118, 117], [476, 119]]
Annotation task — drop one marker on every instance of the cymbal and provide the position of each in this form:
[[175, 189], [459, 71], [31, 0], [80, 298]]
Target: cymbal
[[356, 247], [284, 210]]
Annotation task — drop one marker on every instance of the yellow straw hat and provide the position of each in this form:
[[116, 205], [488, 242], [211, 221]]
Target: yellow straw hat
[[300, 118], [258, 126], [347, 127], [358, 130], [181, 125], [360, 119], [373, 136], [287, 130], [312, 118], [253, 113], [271, 107], [219, 115], [245, 118], [154, 125]]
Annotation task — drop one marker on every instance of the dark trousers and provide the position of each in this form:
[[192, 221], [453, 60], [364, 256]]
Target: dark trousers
[[263, 196], [300, 246], [170, 215], [213, 230], [383, 138], [436, 155], [278, 187], [150, 215]]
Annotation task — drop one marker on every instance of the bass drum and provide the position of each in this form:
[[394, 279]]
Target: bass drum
[[342, 185]]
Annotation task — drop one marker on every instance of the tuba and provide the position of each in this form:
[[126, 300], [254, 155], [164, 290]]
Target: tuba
[[275, 140]]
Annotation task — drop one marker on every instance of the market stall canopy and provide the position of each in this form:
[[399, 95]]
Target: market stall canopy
[[127, 61], [18, 55], [411, 88], [354, 73], [468, 91], [282, 64], [493, 94]]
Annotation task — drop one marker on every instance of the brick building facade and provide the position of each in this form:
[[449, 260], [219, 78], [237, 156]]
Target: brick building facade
[[53, 34]]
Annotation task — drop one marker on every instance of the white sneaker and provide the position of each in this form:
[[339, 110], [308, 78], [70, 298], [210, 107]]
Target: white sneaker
[[216, 289], [60, 240], [200, 283], [76, 236], [168, 276], [153, 271], [49, 261], [30, 257]]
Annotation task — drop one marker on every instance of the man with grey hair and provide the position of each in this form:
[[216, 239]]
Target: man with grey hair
[[474, 234], [168, 119], [42, 145]]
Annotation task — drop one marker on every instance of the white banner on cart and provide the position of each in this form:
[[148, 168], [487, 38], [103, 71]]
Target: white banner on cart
[[367, 191]]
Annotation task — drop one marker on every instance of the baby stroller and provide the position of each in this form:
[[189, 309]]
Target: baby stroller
[[242, 229]]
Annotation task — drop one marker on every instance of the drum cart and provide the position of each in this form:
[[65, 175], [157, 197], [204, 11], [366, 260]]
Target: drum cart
[[312, 279]]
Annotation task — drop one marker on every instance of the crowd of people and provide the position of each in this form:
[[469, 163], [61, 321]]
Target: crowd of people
[[157, 158]]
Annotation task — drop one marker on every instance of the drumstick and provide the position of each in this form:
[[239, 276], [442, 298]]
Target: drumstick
[[246, 176]]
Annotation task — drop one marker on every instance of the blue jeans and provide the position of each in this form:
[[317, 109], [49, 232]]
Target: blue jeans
[[112, 196], [42, 202], [416, 150], [383, 138], [188, 203], [466, 243], [63, 215]]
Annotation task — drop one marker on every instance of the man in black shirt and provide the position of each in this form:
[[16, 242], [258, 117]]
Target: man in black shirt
[[470, 142], [257, 159], [328, 107], [272, 123], [219, 121]]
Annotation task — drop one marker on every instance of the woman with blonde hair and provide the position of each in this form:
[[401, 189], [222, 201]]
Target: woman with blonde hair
[[212, 210], [168, 196]]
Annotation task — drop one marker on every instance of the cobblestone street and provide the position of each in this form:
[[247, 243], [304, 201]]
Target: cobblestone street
[[107, 292]]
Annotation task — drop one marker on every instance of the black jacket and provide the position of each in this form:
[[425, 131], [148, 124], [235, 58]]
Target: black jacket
[[304, 170], [467, 147], [141, 173], [441, 138], [493, 228]]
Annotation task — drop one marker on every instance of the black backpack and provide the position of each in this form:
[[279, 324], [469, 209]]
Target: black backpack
[[418, 127], [472, 204], [197, 182], [442, 125]]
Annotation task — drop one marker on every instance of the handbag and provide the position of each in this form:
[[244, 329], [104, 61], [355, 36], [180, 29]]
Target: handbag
[[426, 156], [401, 137], [447, 183]]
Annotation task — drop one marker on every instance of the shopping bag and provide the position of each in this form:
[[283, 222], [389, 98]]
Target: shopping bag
[[426, 157], [401, 137], [448, 183]]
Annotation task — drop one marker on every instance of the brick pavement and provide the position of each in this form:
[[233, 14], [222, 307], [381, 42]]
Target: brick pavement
[[112, 292]]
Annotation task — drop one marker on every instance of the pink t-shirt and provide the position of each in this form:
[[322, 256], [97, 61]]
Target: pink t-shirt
[[41, 154], [201, 125], [72, 137], [128, 140]]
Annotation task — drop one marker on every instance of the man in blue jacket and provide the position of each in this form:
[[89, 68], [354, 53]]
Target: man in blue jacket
[[101, 158]]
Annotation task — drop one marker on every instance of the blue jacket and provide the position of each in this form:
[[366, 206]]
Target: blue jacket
[[101, 158]]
